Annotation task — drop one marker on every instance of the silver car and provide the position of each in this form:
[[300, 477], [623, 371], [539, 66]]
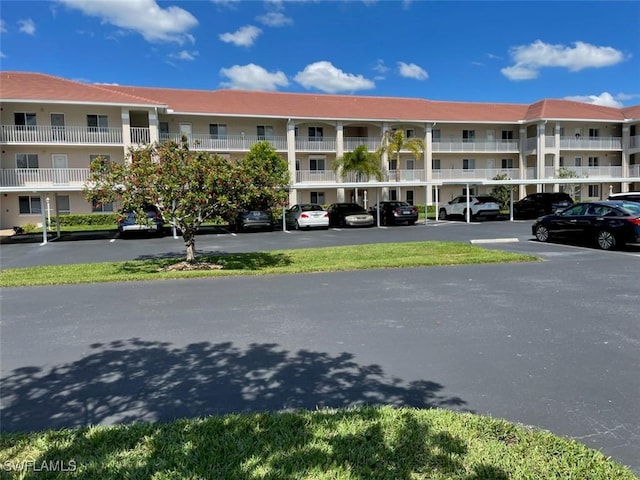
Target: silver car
[[307, 215]]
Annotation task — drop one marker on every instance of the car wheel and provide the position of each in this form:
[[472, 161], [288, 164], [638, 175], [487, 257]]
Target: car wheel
[[464, 214], [542, 233], [443, 214], [296, 225], [606, 240]]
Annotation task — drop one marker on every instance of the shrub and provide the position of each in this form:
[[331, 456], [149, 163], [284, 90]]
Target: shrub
[[87, 219]]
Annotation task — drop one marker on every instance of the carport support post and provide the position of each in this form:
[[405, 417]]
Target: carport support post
[[468, 209], [378, 207], [57, 216], [511, 204], [437, 202], [43, 210], [284, 219]]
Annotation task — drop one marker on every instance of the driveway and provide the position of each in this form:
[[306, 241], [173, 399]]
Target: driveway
[[552, 344]]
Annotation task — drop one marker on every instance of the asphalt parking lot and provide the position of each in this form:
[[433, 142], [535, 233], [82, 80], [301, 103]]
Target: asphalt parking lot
[[552, 344]]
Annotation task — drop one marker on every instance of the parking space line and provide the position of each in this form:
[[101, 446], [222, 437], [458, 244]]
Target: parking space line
[[494, 240]]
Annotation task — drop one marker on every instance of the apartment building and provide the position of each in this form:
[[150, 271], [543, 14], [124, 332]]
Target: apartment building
[[52, 127]]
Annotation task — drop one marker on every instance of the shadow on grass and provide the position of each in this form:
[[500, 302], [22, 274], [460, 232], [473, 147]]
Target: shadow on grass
[[143, 381], [253, 261]]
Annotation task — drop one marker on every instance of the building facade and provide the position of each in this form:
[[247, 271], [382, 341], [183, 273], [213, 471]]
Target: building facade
[[51, 129]]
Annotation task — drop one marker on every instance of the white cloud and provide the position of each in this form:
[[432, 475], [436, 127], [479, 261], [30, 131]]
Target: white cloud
[[227, 3], [2, 55], [411, 70], [3, 28], [243, 37], [184, 55], [530, 59], [27, 26], [146, 17], [252, 77], [327, 78], [605, 99], [380, 67], [274, 19]]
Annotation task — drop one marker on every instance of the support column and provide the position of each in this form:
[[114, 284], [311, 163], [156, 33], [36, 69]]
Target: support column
[[126, 132], [626, 158], [291, 159]]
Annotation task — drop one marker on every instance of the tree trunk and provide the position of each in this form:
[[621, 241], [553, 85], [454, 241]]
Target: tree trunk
[[190, 245]]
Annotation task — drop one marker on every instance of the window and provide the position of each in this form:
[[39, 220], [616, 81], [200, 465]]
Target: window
[[593, 161], [468, 135], [63, 204], [163, 128], [435, 135], [393, 195], [410, 133], [217, 131], [25, 120], [393, 164], [468, 164], [435, 163], [315, 134], [318, 197], [29, 205], [507, 163], [594, 191], [265, 132], [410, 197], [507, 135], [562, 161], [594, 132], [316, 164], [97, 207], [26, 160], [297, 164], [578, 161], [472, 191], [411, 164], [97, 123]]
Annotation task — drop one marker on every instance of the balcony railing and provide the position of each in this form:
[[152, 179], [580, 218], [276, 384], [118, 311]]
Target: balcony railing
[[351, 143], [224, 143], [476, 146], [634, 142], [634, 170], [315, 144], [140, 135], [43, 177], [474, 174], [405, 176], [44, 134], [315, 176], [584, 172], [591, 143]]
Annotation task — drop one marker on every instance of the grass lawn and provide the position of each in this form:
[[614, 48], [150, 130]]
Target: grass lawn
[[351, 444], [328, 259]]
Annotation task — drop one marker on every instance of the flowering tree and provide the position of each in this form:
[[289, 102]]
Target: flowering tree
[[188, 187]]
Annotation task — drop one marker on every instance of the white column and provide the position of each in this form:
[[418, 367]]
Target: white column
[[126, 132], [291, 158], [522, 161], [154, 130], [428, 159], [626, 166]]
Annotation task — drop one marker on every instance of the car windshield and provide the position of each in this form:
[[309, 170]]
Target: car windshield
[[311, 208], [486, 199]]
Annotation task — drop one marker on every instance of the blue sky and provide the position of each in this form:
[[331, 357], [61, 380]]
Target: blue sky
[[504, 51]]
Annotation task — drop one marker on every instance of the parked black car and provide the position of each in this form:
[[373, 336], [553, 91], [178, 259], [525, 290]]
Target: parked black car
[[349, 215], [608, 224], [254, 220], [395, 213], [538, 204]]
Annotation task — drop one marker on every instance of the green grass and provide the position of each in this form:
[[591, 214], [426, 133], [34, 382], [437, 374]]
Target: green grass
[[349, 444], [328, 259]]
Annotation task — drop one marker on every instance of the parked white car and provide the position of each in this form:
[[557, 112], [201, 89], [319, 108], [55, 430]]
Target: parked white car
[[480, 206], [307, 215]]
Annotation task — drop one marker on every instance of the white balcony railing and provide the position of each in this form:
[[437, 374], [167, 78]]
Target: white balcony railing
[[592, 143], [405, 176], [532, 143], [140, 135], [224, 143], [351, 143], [634, 170], [43, 177], [44, 134], [315, 176], [585, 172], [479, 146], [315, 144], [474, 174], [634, 142], [550, 141]]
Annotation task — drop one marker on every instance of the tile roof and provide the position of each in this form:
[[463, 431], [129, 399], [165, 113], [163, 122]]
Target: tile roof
[[38, 86]]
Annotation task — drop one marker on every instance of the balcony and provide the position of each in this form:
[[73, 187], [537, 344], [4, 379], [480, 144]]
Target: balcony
[[634, 142], [315, 176], [42, 178], [474, 174], [224, 143], [591, 143], [68, 135], [586, 172], [405, 176], [315, 144], [351, 143], [476, 146], [634, 170]]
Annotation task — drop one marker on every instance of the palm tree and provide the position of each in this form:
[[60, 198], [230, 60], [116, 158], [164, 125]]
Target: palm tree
[[361, 162], [393, 141]]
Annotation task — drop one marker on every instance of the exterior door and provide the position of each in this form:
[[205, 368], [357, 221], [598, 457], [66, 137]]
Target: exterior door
[[58, 126], [60, 168]]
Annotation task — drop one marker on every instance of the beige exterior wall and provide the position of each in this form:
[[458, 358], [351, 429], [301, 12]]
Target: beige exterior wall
[[74, 115], [77, 157]]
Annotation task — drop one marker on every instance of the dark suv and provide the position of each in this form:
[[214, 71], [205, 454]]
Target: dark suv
[[394, 213], [538, 204]]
